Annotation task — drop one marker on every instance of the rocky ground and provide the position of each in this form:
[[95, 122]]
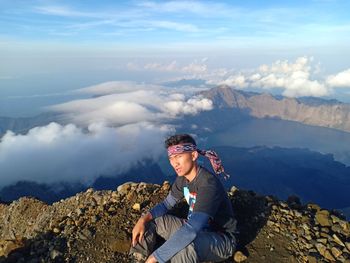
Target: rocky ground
[[95, 226]]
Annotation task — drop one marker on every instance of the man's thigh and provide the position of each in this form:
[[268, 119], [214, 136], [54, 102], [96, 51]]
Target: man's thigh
[[167, 225], [211, 246]]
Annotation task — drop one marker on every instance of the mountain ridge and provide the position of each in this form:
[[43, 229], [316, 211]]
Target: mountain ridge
[[318, 112], [96, 226]]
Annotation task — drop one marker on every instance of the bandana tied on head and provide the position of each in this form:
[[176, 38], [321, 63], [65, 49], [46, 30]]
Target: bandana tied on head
[[211, 155]]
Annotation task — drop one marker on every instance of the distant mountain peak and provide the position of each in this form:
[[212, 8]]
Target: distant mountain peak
[[308, 110]]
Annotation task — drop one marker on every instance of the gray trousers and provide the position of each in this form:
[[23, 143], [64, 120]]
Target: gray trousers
[[207, 246]]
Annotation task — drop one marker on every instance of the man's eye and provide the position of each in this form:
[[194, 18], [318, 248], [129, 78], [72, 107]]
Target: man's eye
[[174, 157]]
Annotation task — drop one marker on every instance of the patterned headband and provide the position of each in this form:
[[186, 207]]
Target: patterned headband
[[211, 155]]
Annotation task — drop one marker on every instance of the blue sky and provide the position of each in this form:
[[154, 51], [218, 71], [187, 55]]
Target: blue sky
[[209, 24], [50, 46]]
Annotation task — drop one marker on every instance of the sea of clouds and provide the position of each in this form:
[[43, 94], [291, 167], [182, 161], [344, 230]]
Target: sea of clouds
[[123, 123]]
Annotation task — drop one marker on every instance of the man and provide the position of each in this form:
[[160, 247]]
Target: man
[[208, 234]]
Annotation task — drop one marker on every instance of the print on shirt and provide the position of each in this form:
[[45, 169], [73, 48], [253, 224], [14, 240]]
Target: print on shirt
[[191, 200]]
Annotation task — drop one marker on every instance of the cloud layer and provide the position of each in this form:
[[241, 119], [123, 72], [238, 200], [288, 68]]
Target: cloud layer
[[152, 104], [194, 67], [124, 123], [294, 78], [340, 80], [56, 153]]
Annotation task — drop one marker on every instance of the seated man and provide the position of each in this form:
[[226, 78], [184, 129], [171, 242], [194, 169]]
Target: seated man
[[208, 234]]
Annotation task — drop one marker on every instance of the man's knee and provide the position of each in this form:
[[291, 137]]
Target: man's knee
[[166, 225]]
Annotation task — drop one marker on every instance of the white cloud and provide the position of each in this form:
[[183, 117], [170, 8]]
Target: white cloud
[[56, 153], [339, 80], [113, 87], [194, 7], [191, 106], [172, 66], [195, 67], [108, 134], [130, 107], [238, 81], [294, 78], [177, 26], [62, 11]]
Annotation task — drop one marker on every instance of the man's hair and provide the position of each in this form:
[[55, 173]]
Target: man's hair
[[179, 139]]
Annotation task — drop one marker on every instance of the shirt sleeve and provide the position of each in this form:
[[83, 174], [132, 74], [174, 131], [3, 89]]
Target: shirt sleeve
[[163, 207], [182, 237]]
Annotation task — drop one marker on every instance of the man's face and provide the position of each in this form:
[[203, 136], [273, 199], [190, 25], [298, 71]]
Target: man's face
[[183, 163]]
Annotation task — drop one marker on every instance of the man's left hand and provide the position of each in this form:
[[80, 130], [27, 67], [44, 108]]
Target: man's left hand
[[151, 259]]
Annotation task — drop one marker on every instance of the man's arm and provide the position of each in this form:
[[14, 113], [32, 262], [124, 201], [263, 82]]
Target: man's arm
[[159, 210], [139, 229], [163, 207], [182, 237]]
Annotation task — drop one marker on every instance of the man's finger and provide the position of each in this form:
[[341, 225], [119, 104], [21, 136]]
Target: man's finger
[[141, 236], [134, 237]]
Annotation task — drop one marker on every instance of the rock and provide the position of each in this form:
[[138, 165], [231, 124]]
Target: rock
[[313, 207], [325, 235], [86, 232], [55, 253], [239, 257], [347, 244], [297, 214], [337, 240], [166, 186], [335, 219], [124, 188], [321, 248], [120, 246], [328, 255], [79, 211], [337, 228], [322, 240], [311, 259], [131, 196], [322, 218], [283, 204], [136, 207], [345, 226], [308, 237], [270, 223], [336, 252], [7, 246], [94, 219], [325, 229], [233, 189]]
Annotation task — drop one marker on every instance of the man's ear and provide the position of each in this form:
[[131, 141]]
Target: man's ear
[[194, 156]]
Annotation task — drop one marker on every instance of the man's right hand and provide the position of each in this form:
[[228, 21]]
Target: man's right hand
[[139, 229]]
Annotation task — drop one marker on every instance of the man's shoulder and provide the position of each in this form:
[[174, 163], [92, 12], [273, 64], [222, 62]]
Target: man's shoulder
[[180, 180], [207, 177], [205, 173]]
